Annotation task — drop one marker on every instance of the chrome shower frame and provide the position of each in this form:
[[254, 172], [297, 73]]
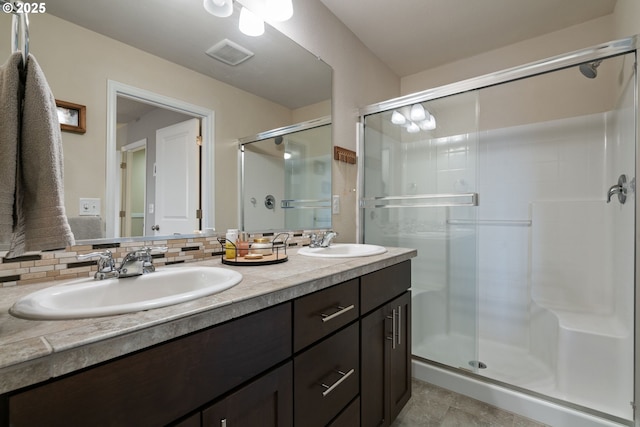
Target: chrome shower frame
[[571, 59]]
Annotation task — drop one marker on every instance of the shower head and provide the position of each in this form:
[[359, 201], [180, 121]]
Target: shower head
[[590, 69]]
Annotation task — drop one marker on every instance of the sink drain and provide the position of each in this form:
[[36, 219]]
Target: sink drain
[[477, 364]]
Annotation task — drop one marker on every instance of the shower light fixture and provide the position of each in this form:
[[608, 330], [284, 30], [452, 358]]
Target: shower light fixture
[[398, 118], [250, 23], [219, 8], [417, 113]]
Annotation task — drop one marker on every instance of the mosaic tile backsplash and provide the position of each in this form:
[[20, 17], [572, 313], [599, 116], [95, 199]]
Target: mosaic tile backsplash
[[39, 267]]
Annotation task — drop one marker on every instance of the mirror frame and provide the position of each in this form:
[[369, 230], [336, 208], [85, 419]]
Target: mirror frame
[[298, 127], [206, 116]]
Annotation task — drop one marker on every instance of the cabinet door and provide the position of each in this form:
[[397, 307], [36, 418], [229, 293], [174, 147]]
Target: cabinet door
[[386, 369], [400, 356], [266, 402]]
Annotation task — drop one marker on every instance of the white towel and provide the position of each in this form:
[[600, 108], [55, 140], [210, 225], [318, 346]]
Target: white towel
[[41, 219], [10, 101]]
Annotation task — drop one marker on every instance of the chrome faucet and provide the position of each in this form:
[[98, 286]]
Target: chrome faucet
[[321, 240], [135, 263], [106, 264]]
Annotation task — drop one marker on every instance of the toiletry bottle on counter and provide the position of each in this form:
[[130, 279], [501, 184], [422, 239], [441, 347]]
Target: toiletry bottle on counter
[[242, 244], [230, 249], [261, 245]]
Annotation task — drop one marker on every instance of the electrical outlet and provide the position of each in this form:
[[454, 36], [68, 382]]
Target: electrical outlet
[[89, 207], [335, 204]]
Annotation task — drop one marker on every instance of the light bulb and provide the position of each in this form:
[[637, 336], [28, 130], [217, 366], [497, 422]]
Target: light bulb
[[250, 23], [398, 118], [428, 124], [279, 10], [417, 113], [413, 128], [219, 8], [287, 155]]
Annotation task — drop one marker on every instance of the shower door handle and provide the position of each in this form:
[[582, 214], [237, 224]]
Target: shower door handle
[[620, 189]]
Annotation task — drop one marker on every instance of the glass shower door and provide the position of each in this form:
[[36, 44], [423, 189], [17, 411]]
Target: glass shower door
[[420, 192]]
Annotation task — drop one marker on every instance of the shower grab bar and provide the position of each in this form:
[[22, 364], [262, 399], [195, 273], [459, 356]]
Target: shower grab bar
[[288, 204], [432, 200], [508, 222]]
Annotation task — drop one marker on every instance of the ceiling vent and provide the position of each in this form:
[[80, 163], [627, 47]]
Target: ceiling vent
[[229, 52]]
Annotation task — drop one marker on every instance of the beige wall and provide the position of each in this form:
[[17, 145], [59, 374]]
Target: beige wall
[[359, 79], [78, 63], [623, 22]]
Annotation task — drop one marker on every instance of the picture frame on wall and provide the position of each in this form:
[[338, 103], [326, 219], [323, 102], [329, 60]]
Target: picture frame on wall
[[72, 117]]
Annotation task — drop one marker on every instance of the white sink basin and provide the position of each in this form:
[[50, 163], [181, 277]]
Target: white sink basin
[[343, 250], [92, 298]]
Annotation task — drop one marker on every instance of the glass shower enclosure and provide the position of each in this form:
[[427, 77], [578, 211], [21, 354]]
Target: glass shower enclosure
[[518, 191]]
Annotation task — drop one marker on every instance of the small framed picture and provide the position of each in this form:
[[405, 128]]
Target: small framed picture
[[72, 117]]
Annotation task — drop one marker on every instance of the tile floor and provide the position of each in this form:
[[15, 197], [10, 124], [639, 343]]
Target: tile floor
[[432, 406]]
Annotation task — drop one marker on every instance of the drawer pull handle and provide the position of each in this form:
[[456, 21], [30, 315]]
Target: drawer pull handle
[[341, 310], [344, 376]]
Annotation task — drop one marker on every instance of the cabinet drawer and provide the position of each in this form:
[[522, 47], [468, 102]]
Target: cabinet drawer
[[265, 402], [383, 285], [350, 417], [318, 314], [326, 378], [161, 384]]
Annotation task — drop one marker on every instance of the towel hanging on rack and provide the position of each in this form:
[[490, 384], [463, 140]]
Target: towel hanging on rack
[[10, 102], [41, 221]]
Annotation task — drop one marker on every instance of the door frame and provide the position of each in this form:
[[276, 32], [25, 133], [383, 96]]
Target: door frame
[[206, 116], [125, 153]]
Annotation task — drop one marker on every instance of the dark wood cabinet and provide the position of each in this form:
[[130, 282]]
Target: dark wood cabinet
[[385, 340], [265, 402], [162, 384], [339, 357]]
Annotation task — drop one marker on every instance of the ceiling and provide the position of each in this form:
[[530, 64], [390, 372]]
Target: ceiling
[[408, 35], [181, 31], [414, 35]]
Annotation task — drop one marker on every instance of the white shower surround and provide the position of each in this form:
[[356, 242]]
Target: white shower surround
[[548, 314]]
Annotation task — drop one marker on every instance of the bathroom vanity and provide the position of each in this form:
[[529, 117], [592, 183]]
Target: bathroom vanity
[[308, 343]]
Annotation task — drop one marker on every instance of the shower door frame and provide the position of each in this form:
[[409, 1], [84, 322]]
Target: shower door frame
[[571, 59]]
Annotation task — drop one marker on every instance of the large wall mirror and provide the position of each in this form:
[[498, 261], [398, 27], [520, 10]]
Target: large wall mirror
[[285, 178], [160, 49]]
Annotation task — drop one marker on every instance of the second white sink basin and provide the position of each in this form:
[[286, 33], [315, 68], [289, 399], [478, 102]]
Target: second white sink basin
[[343, 250], [93, 298]]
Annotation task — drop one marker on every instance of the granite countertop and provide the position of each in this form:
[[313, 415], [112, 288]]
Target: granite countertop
[[34, 351]]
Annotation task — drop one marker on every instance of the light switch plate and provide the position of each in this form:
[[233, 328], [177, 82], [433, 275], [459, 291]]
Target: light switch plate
[[89, 207]]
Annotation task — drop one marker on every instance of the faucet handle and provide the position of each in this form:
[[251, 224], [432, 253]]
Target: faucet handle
[[102, 255], [106, 263]]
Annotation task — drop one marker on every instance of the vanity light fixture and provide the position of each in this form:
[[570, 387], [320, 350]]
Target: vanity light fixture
[[428, 124], [413, 128], [417, 113], [250, 23], [278, 10], [398, 118], [219, 8]]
